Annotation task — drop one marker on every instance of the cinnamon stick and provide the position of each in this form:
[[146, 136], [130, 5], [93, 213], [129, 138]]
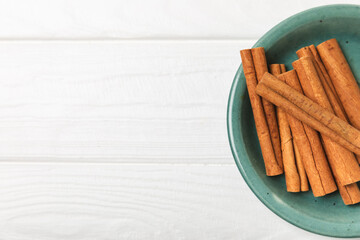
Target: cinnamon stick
[[292, 177], [304, 185], [311, 151], [317, 58], [260, 64], [275, 69], [309, 112], [342, 78], [350, 194], [325, 81], [283, 68], [311, 51], [271, 164], [344, 161]]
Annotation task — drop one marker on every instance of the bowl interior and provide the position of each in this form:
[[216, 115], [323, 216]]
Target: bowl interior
[[325, 215]]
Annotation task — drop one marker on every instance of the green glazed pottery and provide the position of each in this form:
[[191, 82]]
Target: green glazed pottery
[[325, 215]]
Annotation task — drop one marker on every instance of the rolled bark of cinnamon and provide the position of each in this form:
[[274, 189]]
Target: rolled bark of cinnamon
[[325, 81], [304, 185], [342, 78], [317, 57], [271, 164], [292, 177], [309, 112], [311, 151], [350, 194], [311, 51], [341, 160], [260, 64], [275, 69], [283, 68]]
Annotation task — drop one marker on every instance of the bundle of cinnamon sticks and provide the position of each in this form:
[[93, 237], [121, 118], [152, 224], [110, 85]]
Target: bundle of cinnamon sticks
[[308, 119]]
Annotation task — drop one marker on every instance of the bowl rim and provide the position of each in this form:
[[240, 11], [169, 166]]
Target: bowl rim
[[269, 38]]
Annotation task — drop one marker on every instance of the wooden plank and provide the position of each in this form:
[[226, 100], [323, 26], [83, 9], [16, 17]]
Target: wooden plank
[[133, 202], [122, 101], [138, 19]]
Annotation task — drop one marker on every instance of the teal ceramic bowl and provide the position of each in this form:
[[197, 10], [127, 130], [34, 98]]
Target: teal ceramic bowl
[[326, 215]]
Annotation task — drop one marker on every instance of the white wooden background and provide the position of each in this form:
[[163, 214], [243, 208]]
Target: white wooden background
[[112, 119]]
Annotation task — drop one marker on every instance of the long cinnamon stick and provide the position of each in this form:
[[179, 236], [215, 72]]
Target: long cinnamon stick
[[260, 64], [292, 177], [311, 151], [304, 184], [309, 112], [342, 78], [271, 165], [341, 159]]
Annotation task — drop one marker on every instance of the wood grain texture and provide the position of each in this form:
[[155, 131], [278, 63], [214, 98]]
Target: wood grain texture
[[139, 19], [133, 202], [116, 101]]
